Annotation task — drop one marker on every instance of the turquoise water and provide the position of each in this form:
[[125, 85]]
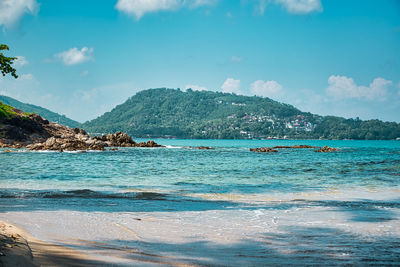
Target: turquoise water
[[222, 196], [229, 168]]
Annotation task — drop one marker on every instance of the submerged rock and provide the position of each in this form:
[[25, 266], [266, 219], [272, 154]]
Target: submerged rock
[[296, 146], [200, 147], [327, 149], [263, 149]]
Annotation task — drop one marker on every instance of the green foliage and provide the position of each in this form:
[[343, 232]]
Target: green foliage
[[45, 113], [6, 62], [204, 114], [7, 111], [191, 114], [340, 128]]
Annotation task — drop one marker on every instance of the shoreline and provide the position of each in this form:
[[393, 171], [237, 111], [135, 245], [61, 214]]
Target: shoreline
[[19, 248]]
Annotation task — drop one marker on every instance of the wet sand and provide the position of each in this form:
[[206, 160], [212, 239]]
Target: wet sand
[[19, 248]]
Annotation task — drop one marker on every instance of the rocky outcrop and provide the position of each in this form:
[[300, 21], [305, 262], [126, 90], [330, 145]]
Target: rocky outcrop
[[80, 140], [263, 149], [120, 139], [123, 140], [36, 133], [68, 143], [327, 149], [20, 130]]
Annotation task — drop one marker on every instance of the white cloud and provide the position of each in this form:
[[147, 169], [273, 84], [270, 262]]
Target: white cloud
[[342, 87], [199, 3], [292, 6], [196, 87], [138, 8], [75, 56], [84, 73], [20, 62], [268, 88], [11, 11], [231, 86], [301, 6], [260, 7], [236, 59]]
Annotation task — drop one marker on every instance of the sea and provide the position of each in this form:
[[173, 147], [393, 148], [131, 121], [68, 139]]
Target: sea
[[227, 206]]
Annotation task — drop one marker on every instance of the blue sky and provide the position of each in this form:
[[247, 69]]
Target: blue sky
[[81, 58]]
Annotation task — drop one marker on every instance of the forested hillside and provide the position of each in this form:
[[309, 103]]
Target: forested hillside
[[45, 113], [205, 114]]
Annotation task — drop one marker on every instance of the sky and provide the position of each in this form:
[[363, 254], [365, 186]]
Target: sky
[[81, 58]]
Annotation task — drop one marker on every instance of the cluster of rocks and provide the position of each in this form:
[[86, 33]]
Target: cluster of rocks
[[36, 133], [120, 139], [274, 149], [80, 140]]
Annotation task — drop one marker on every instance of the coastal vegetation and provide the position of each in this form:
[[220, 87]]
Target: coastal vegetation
[[7, 112], [6, 63], [45, 113], [171, 113]]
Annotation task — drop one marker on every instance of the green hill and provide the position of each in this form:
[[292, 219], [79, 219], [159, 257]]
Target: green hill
[[45, 113], [204, 114]]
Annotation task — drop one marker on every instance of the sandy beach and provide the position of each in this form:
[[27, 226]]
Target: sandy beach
[[19, 248]]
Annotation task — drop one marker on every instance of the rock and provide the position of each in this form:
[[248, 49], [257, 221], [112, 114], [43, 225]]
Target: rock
[[151, 143], [295, 146], [50, 142], [327, 149], [200, 147], [66, 144], [38, 119], [113, 149], [263, 149], [37, 133]]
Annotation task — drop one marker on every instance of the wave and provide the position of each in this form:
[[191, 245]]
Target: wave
[[84, 193], [169, 146]]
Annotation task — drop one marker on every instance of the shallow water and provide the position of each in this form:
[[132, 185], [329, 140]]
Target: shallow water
[[226, 206]]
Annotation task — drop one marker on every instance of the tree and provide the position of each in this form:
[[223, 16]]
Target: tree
[[6, 62]]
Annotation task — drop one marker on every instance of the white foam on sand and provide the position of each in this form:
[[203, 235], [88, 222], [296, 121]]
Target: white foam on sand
[[333, 227]]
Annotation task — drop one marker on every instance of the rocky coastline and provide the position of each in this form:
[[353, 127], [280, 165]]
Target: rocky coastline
[[31, 131], [35, 133]]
